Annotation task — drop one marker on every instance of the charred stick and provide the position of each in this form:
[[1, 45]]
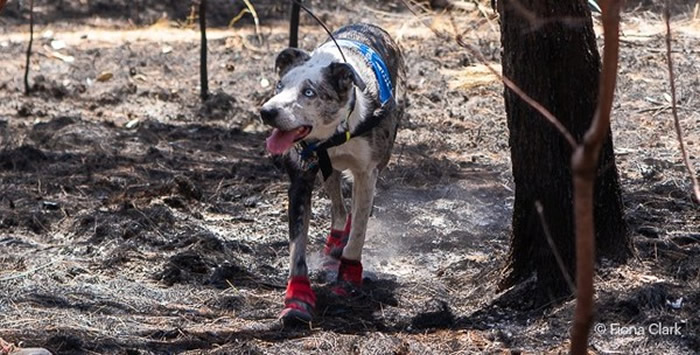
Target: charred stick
[[27, 89], [203, 75]]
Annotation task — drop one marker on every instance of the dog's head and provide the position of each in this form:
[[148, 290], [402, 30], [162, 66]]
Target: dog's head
[[311, 98]]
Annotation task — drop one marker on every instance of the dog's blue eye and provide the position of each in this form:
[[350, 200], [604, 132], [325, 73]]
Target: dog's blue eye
[[279, 86], [309, 93]]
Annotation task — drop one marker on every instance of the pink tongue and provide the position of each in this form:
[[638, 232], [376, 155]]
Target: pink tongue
[[280, 141]]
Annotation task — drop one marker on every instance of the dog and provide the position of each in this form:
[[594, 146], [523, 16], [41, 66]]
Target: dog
[[334, 110]]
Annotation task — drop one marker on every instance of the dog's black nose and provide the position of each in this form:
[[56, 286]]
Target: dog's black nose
[[268, 115]]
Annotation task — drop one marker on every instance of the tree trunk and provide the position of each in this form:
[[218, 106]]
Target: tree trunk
[[550, 52], [294, 26], [203, 73]]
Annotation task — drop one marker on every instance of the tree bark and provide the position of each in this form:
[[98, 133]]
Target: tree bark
[[550, 52]]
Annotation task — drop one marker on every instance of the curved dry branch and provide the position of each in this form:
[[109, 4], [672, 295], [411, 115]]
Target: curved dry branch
[[584, 162], [674, 108], [523, 96], [546, 114]]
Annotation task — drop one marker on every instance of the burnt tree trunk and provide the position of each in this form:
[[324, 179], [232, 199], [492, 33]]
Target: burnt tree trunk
[[203, 73], [549, 51], [294, 25]]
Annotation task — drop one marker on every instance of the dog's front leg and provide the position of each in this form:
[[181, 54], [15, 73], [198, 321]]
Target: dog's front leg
[[350, 270], [340, 221], [300, 300], [333, 186], [299, 211]]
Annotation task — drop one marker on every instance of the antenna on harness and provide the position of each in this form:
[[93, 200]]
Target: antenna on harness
[[294, 26], [320, 150]]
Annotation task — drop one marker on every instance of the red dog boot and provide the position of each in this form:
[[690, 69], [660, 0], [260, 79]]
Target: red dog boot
[[337, 240], [335, 243], [299, 301], [349, 277]]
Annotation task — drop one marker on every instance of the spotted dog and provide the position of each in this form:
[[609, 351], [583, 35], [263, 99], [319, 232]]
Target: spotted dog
[[333, 111]]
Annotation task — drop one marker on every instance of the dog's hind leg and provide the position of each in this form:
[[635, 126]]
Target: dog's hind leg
[[340, 221], [300, 300], [350, 270]]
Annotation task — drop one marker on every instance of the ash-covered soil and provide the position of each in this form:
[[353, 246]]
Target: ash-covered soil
[[135, 219]]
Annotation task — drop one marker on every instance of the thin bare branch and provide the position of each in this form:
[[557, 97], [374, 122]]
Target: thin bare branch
[[419, 18], [674, 108], [27, 88], [507, 82], [523, 96], [584, 163], [256, 20], [555, 251], [20, 275]]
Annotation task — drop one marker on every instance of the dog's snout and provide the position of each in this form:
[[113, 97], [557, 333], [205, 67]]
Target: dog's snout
[[269, 115]]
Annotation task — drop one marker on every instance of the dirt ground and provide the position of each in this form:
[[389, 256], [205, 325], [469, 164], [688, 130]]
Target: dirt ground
[[135, 220]]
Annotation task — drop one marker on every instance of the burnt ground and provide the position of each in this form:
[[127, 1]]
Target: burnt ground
[[134, 219]]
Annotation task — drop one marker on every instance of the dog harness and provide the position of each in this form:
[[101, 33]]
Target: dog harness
[[316, 154], [373, 60]]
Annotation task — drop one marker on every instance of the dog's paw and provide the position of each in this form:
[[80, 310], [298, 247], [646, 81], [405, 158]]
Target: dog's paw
[[350, 271], [349, 277], [344, 289], [337, 240], [299, 302], [296, 314], [335, 243]]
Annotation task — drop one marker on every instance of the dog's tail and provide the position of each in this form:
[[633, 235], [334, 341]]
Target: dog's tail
[[401, 80]]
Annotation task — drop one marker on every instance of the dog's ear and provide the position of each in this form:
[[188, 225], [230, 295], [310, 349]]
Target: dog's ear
[[342, 76], [290, 58]]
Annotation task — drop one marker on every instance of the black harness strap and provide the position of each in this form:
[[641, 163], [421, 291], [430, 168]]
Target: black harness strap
[[337, 139], [320, 150]]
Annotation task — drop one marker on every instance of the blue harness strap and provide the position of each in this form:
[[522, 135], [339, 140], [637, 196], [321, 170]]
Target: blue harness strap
[[381, 71]]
